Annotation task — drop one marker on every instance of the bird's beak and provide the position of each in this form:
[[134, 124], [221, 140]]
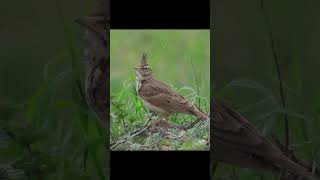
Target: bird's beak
[[135, 68]]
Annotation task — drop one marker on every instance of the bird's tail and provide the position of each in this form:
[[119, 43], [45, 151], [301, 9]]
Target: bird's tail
[[199, 113], [295, 168]]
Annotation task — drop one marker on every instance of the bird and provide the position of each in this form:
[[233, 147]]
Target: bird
[[238, 142], [159, 97], [96, 59]]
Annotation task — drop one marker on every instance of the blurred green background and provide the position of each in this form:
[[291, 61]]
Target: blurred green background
[[32, 34], [46, 129], [244, 71], [170, 53]]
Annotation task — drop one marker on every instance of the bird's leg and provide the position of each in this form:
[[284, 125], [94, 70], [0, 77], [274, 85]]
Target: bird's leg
[[163, 117], [153, 113], [150, 117]]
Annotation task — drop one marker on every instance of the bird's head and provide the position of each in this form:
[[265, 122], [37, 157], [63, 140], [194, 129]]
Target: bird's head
[[143, 71]]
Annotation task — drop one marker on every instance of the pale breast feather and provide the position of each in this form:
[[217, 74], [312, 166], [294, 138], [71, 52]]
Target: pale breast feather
[[153, 107], [138, 85]]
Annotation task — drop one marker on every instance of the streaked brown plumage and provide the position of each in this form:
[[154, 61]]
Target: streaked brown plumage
[[96, 59], [238, 142], [159, 97]]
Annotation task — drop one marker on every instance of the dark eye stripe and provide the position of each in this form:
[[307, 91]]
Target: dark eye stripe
[[145, 67]]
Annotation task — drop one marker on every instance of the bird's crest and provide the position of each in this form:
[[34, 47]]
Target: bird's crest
[[144, 62]]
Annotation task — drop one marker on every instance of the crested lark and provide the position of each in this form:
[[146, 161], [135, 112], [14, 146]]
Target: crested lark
[[159, 97]]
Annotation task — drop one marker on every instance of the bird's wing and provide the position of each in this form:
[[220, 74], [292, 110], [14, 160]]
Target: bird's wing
[[159, 91], [170, 103], [162, 87], [230, 126], [233, 133]]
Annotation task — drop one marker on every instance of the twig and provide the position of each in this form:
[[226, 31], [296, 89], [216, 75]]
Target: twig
[[154, 142], [196, 79], [131, 136], [276, 60], [147, 128], [191, 125]]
